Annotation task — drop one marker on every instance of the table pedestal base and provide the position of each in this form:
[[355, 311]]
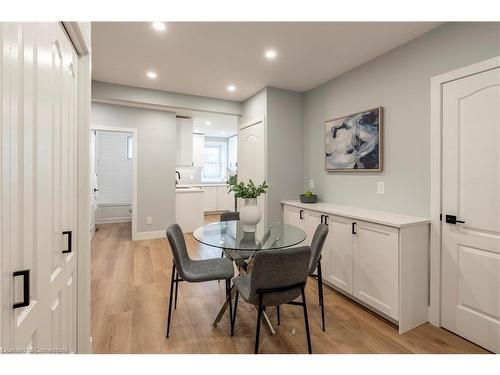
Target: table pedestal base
[[224, 307]]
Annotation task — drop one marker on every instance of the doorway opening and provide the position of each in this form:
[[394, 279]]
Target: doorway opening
[[113, 177]]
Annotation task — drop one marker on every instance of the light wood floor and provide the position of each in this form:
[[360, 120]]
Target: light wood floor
[[130, 285]]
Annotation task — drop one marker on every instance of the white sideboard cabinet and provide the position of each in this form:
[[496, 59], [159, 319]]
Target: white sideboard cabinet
[[379, 259]]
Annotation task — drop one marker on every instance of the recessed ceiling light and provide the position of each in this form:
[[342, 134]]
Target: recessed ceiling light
[[151, 75], [231, 88], [270, 54], [208, 123], [160, 26]]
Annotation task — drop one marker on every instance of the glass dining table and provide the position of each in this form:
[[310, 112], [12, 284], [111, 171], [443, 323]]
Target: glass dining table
[[240, 246]]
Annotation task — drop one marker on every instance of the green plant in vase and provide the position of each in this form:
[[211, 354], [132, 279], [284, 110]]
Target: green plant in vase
[[250, 214]]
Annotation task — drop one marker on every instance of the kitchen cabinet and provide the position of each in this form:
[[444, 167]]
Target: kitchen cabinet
[[210, 198], [294, 216], [379, 259], [338, 263], [232, 153], [225, 200], [198, 150], [184, 142], [216, 198], [375, 258]]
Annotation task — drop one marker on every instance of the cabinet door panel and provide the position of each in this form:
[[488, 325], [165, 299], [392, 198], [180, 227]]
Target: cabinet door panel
[[338, 264], [184, 144], [311, 221], [198, 150], [292, 216], [376, 266], [210, 198]]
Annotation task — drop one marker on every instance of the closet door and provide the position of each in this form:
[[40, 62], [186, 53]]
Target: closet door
[[39, 145]]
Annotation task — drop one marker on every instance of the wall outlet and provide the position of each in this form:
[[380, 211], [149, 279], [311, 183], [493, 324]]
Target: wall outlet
[[311, 184], [149, 220], [380, 187]]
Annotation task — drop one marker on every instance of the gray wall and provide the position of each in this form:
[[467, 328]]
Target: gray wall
[[399, 81], [155, 159], [283, 112], [254, 107], [113, 93], [285, 148]]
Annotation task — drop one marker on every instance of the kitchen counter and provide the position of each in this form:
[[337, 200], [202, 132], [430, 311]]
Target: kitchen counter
[[188, 189], [202, 185]]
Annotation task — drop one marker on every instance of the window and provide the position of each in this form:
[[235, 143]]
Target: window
[[214, 157], [129, 148]]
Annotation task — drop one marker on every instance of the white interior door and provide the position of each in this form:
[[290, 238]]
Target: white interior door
[[39, 200], [252, 161], [471, 192]]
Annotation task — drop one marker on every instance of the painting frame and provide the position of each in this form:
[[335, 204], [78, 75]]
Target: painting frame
[[380, 110]]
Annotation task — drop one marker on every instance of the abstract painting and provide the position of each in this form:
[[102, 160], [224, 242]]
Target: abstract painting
[[353, 143]]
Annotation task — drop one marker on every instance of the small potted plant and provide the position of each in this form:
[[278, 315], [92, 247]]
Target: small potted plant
[[250, 214], [308, 197]]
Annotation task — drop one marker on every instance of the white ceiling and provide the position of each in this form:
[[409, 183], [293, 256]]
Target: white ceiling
[[202, 58], [212, 124]]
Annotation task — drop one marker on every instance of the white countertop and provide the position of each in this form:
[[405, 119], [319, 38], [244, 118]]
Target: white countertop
[[203, 185], [188, 189], [379, 217]]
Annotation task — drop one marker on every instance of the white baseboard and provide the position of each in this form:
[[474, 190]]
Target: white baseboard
[[149, 235], [110, 220]]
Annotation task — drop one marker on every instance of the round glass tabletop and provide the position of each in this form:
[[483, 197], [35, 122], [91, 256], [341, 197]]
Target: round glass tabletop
[[229, 235]]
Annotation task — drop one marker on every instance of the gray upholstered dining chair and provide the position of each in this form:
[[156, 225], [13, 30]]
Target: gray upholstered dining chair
[[240, 257], [277, 277], [194, 271], [229, 216], [317, 244]]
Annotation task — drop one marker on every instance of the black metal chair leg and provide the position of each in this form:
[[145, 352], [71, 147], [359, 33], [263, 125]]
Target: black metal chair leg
[[170, 300], [259, 318], [306, 320], [235, 310], [176, 289], [320, 292], [228, 295], [278, 313]]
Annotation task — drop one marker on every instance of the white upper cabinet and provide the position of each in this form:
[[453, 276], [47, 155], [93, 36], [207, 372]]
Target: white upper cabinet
[[232, 153], [198, 150], [184, 155]]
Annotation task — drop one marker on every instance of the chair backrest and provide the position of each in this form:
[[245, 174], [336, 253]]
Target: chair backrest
[[279, 269], [178, 247], [230, 216], [317, 244]]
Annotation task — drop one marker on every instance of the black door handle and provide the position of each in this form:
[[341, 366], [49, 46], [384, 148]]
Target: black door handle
[[452, 219], [95, 190], [354, 228], [70, 242], [26, 288], [300, 214]]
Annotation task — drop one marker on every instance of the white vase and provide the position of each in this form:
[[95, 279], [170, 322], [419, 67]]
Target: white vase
[[250, 215]]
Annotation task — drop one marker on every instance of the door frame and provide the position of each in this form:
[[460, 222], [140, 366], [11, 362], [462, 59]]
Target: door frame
[[83, 48], [134, 168], [436, 132]]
